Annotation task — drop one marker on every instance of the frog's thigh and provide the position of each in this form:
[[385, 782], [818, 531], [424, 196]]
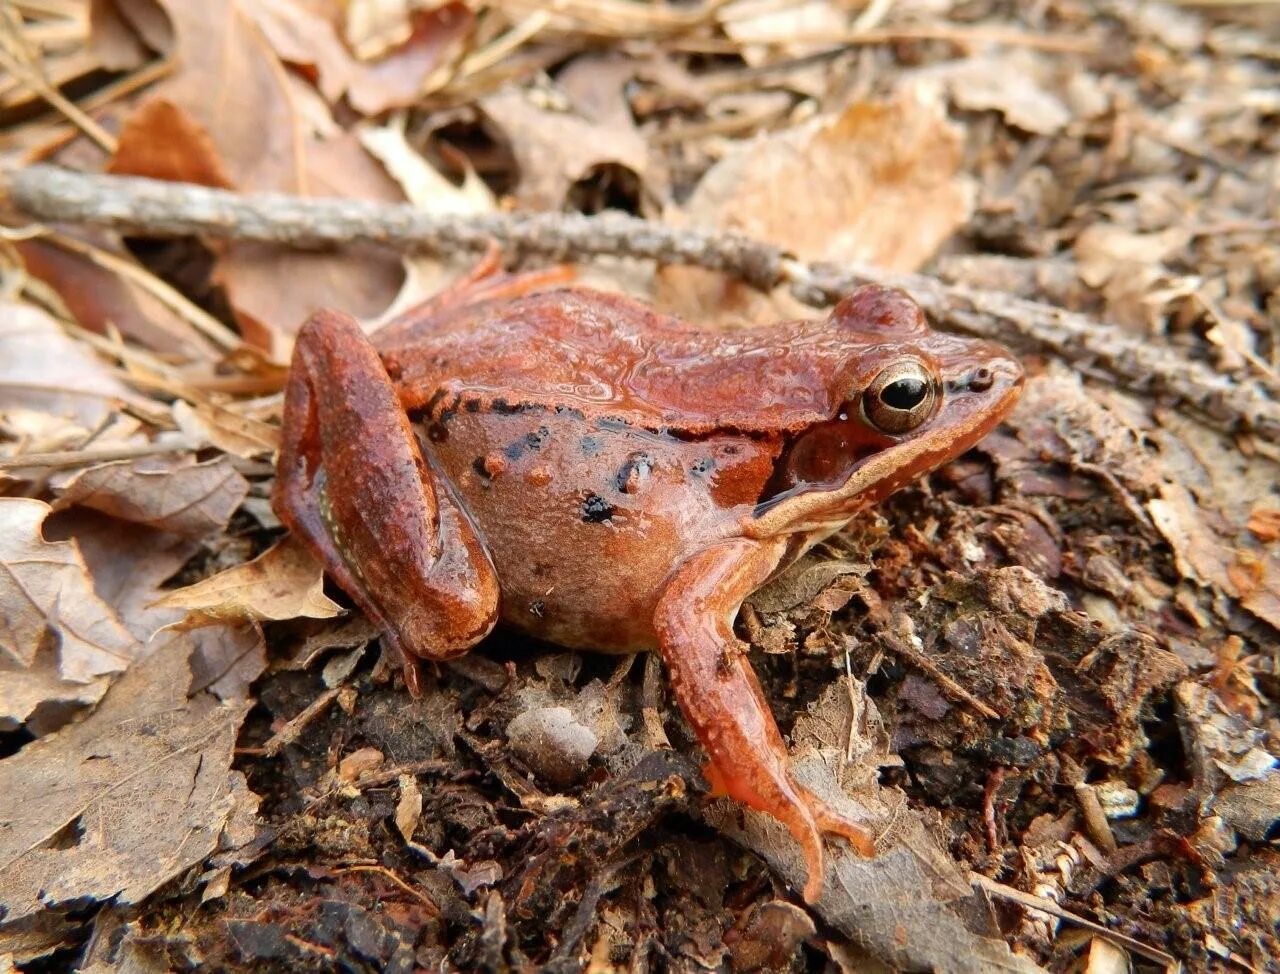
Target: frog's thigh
[[353, 484], [721, 698]]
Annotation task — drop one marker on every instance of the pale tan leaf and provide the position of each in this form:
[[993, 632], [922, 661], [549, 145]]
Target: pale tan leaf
[[284, 582], [128, 799], [43, 369], [174, 494], [228, 430], [409, 808], [47, 595]]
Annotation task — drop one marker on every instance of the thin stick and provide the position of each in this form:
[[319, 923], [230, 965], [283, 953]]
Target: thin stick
[[163, 209], [63, 459], [1045, 905]]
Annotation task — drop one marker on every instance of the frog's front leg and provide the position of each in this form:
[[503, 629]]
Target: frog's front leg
[[352, 482], [718, 692]]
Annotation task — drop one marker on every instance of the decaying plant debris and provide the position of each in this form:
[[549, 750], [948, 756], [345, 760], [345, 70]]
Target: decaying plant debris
[[1047, 675]]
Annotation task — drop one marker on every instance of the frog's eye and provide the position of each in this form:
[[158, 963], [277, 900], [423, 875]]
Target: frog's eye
[[900, 398]]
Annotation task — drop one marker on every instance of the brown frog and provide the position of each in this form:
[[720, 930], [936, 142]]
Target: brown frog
[[605, 477]]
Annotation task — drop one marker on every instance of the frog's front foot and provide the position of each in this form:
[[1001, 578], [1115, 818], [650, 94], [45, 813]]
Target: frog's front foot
[[721, 698]]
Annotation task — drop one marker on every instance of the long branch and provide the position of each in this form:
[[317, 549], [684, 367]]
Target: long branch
[[155, 208]]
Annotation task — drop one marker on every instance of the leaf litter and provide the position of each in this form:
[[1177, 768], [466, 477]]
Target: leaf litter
[[1046, 677]]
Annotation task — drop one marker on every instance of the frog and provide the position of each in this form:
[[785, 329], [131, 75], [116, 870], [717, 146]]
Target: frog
[[596, 474]]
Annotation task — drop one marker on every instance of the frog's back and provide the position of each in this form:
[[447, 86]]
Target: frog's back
[[606, 355]]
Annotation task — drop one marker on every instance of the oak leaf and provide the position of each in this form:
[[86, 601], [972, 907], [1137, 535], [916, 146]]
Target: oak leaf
[[284, 582]]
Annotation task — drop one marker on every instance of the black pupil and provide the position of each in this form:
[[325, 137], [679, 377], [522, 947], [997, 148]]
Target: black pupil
[[905, 393]]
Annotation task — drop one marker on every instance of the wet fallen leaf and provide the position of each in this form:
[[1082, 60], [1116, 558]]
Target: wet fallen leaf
[[129, 798], [57, 636], [284, 582], [174, 494]]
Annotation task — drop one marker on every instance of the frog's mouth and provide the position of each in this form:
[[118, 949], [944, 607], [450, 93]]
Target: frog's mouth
[[977, 399]]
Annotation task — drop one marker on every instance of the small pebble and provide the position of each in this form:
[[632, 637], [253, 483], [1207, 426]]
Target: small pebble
[[553, 743]]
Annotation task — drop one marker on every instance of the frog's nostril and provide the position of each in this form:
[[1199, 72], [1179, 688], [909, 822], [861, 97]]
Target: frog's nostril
[[980, 380]]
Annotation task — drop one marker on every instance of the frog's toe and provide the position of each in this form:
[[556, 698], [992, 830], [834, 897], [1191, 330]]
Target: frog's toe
[[832, 822]]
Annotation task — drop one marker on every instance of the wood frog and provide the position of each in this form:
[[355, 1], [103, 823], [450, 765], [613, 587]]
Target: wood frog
[[605, 477]]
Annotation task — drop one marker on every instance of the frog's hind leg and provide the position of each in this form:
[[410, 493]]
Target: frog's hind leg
[[353, 483], [721, 698]]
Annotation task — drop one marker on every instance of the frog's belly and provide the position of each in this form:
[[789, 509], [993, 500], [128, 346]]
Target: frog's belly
[[585, 520]]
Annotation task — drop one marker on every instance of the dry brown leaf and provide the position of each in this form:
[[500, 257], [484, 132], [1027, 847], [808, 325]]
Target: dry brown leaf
[[174, 494], [765, 26], [56, 634], [877, 183], [226, 429], [284, 582], [1204, 552], [129, 798], [897, 905], [227, 659], [128, 564], [252, 123], [163, 141], [554, 149], [409, 808], [255, 135], [43, 369], [397, 79], [102, 300]]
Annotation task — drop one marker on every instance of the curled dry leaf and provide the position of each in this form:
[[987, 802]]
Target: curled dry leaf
[[981, 84], [45, 370], [226, 428], [174, 494], [128, 799], [57, 636], [284, 582], [835, 189]]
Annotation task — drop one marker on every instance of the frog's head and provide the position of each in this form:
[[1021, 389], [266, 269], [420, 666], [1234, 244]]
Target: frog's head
[[910, 399]]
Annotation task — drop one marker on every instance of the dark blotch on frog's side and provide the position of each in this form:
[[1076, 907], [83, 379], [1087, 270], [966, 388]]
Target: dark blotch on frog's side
[[596, 510]]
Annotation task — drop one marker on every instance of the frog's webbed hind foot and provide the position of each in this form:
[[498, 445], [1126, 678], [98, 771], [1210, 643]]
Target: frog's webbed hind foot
[[721, 698], [353, 483]]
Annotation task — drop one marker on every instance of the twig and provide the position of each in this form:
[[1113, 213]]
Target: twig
[[295, 725], [65, 459], [162, 209], [1048, 906], [948, 686]]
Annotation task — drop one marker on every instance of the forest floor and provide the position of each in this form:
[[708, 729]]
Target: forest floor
[[1047, 674]]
